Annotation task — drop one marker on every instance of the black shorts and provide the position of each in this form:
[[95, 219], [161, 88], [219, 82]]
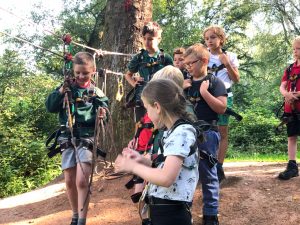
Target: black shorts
[[165, 213], [293, 128]]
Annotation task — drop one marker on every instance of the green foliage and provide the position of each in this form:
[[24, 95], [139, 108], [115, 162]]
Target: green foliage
[[263, 53], [24, 124], [256, 132]]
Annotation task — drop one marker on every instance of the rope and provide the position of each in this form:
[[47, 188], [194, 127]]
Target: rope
[[30, 43], [99, 51]]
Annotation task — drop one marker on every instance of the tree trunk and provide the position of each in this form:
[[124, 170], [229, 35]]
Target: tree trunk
[[124, 20]]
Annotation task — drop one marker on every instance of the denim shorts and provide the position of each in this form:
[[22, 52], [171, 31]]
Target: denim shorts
[[70, 157]]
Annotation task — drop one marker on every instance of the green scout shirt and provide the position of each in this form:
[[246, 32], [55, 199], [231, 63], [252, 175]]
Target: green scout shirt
[[84, 112], [147, 65]]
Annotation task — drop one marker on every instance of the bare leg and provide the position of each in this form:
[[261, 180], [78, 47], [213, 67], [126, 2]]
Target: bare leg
[[223, 143], [82, 180], [292, 147], [70, 180]]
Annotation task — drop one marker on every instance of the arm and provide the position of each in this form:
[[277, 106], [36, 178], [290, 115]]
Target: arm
[[55, 100], [130, 79], [233, 72], [164, 177], [217, 104], [288, 96]]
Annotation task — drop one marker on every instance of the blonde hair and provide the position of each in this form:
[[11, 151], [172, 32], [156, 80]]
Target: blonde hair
[[170, 72], [198, 50], [84, 58], [296, 39], [219, 31], [169, 96]]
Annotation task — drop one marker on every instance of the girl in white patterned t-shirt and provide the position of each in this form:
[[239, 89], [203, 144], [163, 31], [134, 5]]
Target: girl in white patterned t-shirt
[[173, 174]]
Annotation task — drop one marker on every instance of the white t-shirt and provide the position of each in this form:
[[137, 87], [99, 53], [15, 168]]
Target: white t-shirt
[[178, 143], [223, 74]]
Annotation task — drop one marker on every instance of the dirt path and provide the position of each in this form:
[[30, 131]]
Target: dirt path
[[251, 195]]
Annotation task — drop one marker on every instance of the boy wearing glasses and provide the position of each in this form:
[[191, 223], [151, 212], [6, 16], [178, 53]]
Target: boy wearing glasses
[[209, 97]]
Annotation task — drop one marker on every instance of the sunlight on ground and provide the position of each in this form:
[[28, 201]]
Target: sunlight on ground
[[33, 196], [246, 164], [254, 172]]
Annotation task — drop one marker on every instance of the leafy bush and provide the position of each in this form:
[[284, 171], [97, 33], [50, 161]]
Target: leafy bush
[[256, 132], [24, 125]]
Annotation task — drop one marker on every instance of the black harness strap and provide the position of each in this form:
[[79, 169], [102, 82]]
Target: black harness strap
[[53, 150], [200, 126], [215, 69]]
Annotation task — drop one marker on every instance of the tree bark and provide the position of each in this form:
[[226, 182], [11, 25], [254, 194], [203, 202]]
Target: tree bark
[[124, 20]]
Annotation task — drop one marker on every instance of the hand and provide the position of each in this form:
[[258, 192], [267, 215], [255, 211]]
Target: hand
[[187, 83], [204, 86], [296, 94], [132, 144], [123, 164], [224, 59], [138, 80], [102, 113], [132, 154], [64, 88], [290, 97]]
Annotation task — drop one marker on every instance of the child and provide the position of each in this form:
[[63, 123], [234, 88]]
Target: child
[[290, 89], [224, 65], [208, 95], [179, 63], [146, 63], [174, 175], [85, 100]]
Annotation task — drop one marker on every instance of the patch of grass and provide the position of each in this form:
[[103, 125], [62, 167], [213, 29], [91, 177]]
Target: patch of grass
[[233, 156]]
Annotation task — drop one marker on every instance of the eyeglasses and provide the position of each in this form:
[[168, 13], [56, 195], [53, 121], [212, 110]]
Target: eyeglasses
[[190, 64]]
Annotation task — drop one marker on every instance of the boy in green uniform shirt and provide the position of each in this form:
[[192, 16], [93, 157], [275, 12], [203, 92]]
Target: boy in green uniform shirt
[[84, 101], [146, 63]]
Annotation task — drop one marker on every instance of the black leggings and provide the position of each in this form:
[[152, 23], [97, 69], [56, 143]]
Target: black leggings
[[170, 215]]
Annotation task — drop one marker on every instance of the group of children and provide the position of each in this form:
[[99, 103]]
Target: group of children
[[173, 99]]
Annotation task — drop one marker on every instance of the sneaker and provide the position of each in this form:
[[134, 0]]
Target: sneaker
[[210, 220], [74, 221], [221, 174], [146, 222], [290, 171]]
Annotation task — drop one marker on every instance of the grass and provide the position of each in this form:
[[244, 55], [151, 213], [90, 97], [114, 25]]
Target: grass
[[233, 156]]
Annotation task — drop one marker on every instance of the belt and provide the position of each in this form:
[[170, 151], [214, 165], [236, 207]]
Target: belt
[[82, 125], [159, 201], [68, 144]]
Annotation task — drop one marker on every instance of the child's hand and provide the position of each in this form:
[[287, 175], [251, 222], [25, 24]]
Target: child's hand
[[290, 97], [132, 144], [123, 164], [132, 154], [204, 86], [296, 94], [102, 113], [138, 80], [224, 59], [187, 83]]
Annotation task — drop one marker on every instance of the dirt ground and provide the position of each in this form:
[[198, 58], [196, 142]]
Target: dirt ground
[[250, 195]]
